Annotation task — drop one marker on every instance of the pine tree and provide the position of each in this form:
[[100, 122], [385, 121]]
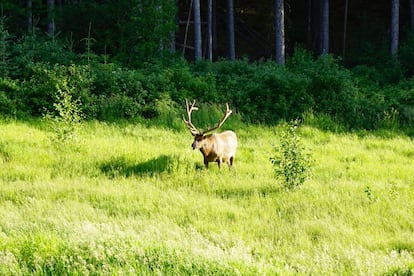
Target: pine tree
[[280, 31]]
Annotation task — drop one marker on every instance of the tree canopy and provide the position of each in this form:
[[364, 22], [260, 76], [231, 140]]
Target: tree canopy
[[135, 58], [135, 30]]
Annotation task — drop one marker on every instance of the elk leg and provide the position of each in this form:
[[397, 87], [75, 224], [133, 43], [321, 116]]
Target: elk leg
[[205, 163], [219, 163], [231, 159]]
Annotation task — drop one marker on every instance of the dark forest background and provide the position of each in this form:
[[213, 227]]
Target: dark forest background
[[138, 58], [368, 27]]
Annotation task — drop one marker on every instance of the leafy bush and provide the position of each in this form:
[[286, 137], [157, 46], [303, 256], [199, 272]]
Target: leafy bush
[[261, 92], [39, 49], [115, 107], [404, 101], [118, 92], [381, 67], [5, 44], [9, 97], [66, 122], [330, 85], [291, 164], [265, 92], [39, 91]]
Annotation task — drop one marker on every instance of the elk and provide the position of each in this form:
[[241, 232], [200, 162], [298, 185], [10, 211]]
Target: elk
[[215, 147]]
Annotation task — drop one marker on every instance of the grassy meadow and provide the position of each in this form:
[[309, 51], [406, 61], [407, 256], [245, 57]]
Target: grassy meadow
[[134, 198]]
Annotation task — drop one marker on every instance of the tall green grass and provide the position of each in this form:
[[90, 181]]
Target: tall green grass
[[133, 198]]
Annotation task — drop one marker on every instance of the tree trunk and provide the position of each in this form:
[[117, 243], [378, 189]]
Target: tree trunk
[[158, 10], [59, 5], [214, 25], [230, 30], [280, 31], [345, 30], [51, 27], [315, 25], [309, 36], [29, 16], [324, 43], [173, 47], [197, 30], [412, 15], [187, 26], [210, 30], [395, 14]]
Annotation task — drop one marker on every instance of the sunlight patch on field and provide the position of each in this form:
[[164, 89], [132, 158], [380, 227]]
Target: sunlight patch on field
[[129, 198]]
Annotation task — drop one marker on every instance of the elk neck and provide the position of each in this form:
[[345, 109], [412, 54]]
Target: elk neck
[[207, 145]]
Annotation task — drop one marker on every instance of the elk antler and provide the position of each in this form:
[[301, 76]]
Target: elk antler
[[220, 123], [194, 131]]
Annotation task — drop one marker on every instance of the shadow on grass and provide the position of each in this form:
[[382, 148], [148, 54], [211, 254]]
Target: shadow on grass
[[123, 167]]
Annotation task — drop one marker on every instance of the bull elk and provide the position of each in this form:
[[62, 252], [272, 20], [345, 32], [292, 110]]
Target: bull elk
[[215, 147]]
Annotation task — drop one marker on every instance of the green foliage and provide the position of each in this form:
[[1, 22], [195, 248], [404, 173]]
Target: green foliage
[[67, 121], [263, 92], [119, 93], [400, 271], [5, 45], [322, 121], [156, 21], [10, 101], [330, 86], [402, 99], [375, 62], [39, 91], [132, 31], [32, 49], [291, 163]]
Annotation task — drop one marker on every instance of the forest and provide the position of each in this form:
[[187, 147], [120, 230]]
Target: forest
[[103, 171], [127, 59]]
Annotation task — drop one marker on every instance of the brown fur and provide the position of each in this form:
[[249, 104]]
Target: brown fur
[[217, 147]]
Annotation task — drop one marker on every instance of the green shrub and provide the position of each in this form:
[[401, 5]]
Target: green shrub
[[5, 45], [330, 85], [118, 92], [291, 163], [117, 106], [404, 101], [39, 91], [263, 92], [9, 97], [66, 123], [268, 92], [374, 58], [39, 49]]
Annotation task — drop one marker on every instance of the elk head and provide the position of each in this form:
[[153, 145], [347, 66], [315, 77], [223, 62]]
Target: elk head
[[215, 147]]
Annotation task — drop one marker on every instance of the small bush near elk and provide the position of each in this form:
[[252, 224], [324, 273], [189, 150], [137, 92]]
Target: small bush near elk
[[291, 163]]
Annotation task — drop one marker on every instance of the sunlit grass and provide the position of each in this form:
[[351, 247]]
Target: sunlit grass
[[134, 199]]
